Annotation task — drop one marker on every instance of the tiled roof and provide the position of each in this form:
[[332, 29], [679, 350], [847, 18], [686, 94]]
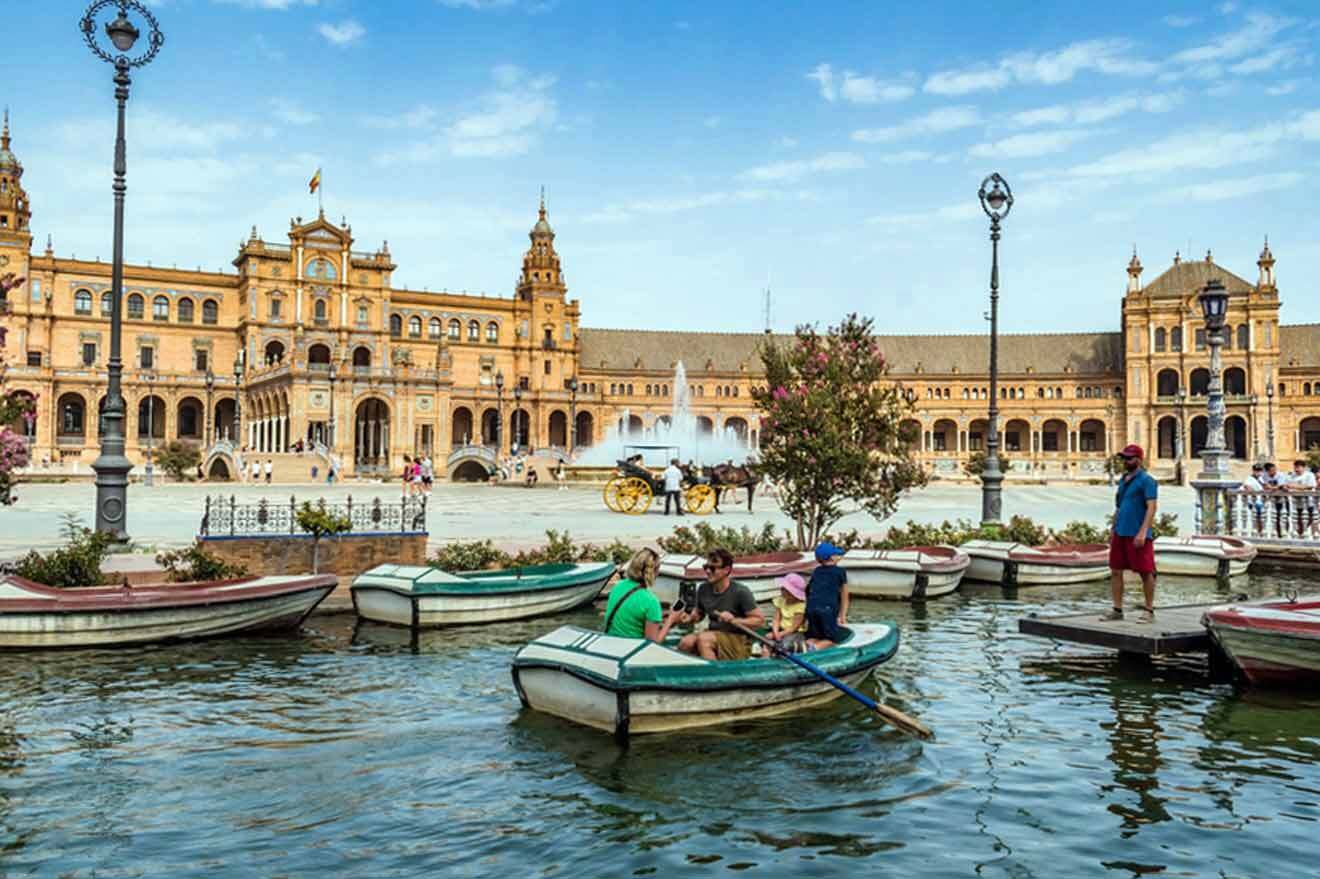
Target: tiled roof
[[1299, 345], [1188, 277], [652, 351]]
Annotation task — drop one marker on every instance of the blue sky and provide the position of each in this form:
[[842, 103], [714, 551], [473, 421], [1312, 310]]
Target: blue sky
[[694, 152]]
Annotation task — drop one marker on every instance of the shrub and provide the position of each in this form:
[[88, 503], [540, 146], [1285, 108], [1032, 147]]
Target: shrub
[[320, 523], [472, 555], [974, 466], [77, 563], [195, 563], [179, 458], [702, 538], [1080, 532]]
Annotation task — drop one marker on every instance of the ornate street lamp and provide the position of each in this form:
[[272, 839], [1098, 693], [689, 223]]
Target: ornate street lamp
[[112, 465], [207, 439], [1213, 482], [572, 414], [1269, 418], [996, 200], [499, 413]]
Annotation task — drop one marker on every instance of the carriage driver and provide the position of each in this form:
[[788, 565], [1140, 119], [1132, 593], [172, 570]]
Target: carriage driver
[[724, 602]]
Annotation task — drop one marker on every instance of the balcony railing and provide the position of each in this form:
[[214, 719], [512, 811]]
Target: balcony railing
[[1281, 515]]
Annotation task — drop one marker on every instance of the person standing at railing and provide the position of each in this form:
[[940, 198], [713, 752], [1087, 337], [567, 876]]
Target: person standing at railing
[[1271, 483], [1302, 480], [1254, 490]]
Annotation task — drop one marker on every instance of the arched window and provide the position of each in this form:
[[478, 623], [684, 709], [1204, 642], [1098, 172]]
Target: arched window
[[630, 390], [719, 390], [160, 308], [415, 327], [1227, 336], [185, 311], [648, 390], [474, 331], [455, 330], [614, 388], [396, 325], [362, 356], [210, 311], [433, 328], [492, 332], [735, 391], [135, 306], [1199, 338], [107, 304], [1243, 337], [318, 310], [1161, 339], [1175, 339], [82, 302]]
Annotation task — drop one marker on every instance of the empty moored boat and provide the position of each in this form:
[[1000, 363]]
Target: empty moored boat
[[756, 572], [33, 615], [1203, 556], [913, 572], [628, 686], [412, 595], [1273, 643], [1016, 564]]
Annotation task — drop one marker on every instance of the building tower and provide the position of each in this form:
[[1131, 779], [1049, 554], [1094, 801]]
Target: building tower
[[15, 210], [1134, 273], [1266, 264]]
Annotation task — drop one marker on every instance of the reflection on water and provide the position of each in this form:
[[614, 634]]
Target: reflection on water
[[367, 750]]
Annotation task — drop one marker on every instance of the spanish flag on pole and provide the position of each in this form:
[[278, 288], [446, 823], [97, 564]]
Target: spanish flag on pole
[[315, 183]]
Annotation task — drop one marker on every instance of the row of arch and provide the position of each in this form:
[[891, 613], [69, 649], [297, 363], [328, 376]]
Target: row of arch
[[185, 309], [1086, 392], [1168, 382], [1015, 436], [152, 413], [318, 355], [1172, 339], [519, 430], [434, 328]]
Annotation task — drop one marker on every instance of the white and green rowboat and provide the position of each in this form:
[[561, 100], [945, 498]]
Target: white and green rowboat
[[629, 686], [421, 597]]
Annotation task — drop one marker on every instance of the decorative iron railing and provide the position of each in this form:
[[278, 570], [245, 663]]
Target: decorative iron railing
[[226, 517], [1284, 515]]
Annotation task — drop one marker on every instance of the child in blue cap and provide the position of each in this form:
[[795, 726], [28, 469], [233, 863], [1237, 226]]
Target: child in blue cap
[[827, 599]]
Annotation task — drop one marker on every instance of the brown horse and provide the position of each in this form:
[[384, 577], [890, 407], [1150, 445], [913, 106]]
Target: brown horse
[[733, 476]]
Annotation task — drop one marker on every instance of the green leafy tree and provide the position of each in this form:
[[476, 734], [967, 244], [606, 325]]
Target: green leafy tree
[[974, 466], [320, 523], [77, 563], [831, 427], [179, 458]]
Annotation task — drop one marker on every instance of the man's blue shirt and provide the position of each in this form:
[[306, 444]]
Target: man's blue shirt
[[1130, 502]]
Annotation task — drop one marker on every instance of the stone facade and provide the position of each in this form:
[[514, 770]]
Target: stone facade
[[346, 556], [308, 339]]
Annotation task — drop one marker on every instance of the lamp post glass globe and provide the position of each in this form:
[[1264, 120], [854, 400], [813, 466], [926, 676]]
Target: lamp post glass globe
[[122, 33]]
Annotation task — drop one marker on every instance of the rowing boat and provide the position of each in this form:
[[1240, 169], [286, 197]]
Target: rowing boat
[[757, 572], [1203, 555], [914, 572], [1274, 643], [1016, 564], [33, 615], [416, 596], [631, 686]]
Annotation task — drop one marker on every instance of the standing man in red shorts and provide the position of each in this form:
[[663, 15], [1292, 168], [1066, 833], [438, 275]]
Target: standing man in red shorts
[[1131, 544]]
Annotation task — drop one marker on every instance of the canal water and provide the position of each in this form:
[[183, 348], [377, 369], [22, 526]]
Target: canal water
[[351, 751]]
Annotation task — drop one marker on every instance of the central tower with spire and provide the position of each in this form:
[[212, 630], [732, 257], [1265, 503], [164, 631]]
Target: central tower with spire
[[547, 321]]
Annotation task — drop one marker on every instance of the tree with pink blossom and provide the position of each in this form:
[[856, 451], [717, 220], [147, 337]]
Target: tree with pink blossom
[[15, 408], [831, 427]]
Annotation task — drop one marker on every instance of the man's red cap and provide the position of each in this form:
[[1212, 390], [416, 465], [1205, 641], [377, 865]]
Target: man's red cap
[[1132, 450]]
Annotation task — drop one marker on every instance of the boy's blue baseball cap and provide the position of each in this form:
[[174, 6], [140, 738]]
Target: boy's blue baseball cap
[[827, 550]]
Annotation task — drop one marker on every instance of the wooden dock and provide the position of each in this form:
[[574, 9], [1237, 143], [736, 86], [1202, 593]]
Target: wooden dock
[[1176, 629]]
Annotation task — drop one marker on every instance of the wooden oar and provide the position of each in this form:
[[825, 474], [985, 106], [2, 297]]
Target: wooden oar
[[906, 723]]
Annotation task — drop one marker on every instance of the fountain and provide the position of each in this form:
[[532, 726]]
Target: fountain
[[696, 441]]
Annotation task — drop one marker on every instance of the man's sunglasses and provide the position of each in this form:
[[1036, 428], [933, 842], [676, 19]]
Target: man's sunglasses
[[710, 567]]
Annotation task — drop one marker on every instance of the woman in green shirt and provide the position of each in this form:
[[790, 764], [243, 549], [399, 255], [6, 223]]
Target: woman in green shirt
[[632, 610]]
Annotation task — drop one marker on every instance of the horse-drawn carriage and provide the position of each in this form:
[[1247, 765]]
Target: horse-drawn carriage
[[633, 487]]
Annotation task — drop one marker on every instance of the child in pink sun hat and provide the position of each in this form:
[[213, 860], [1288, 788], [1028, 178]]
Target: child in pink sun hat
[[790, 613]]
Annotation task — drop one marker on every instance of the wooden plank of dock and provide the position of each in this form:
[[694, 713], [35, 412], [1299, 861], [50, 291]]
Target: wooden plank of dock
[[1176, 629]]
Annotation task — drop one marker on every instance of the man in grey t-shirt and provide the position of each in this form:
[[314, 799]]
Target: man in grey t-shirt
[[724, 603]]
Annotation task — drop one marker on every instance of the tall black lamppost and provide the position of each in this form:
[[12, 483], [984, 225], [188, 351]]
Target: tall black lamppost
[[572, 414], [499, 413], [996, 200], [1213, 481], [1269, 419], [112, 465], [207, 438], [519, 425]]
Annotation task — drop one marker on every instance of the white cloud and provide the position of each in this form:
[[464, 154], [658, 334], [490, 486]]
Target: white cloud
[[1180, 20], [1258, 33], [954, 212], [797, 169], [1225, 190], [940, 121], [506, 121], [712, 121], [1281, 57], [1042, 68], [650, 207], [786, 142], [269, 4], [478, 5], [1100, 110], [1023, 146], [1227, 8], [346, 33], [421, 116], [857, 89], [289, 111], [1287, 87]]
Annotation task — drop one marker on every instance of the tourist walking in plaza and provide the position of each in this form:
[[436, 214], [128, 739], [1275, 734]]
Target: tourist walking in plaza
[[270, 469], [428, 473], [1132, 541], [256, 471], [673, 482]]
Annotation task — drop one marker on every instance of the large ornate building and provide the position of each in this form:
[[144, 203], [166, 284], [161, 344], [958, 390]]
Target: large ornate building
[[310, 340]]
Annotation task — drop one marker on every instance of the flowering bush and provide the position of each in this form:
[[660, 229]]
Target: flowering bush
[[15, 409], [831, 427]]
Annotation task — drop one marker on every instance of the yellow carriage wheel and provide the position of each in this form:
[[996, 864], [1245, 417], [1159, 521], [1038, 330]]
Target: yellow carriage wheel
[[699, 499], [635, 496], [611, 494]]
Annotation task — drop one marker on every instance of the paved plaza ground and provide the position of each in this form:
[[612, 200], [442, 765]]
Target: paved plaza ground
[[168, 515]]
